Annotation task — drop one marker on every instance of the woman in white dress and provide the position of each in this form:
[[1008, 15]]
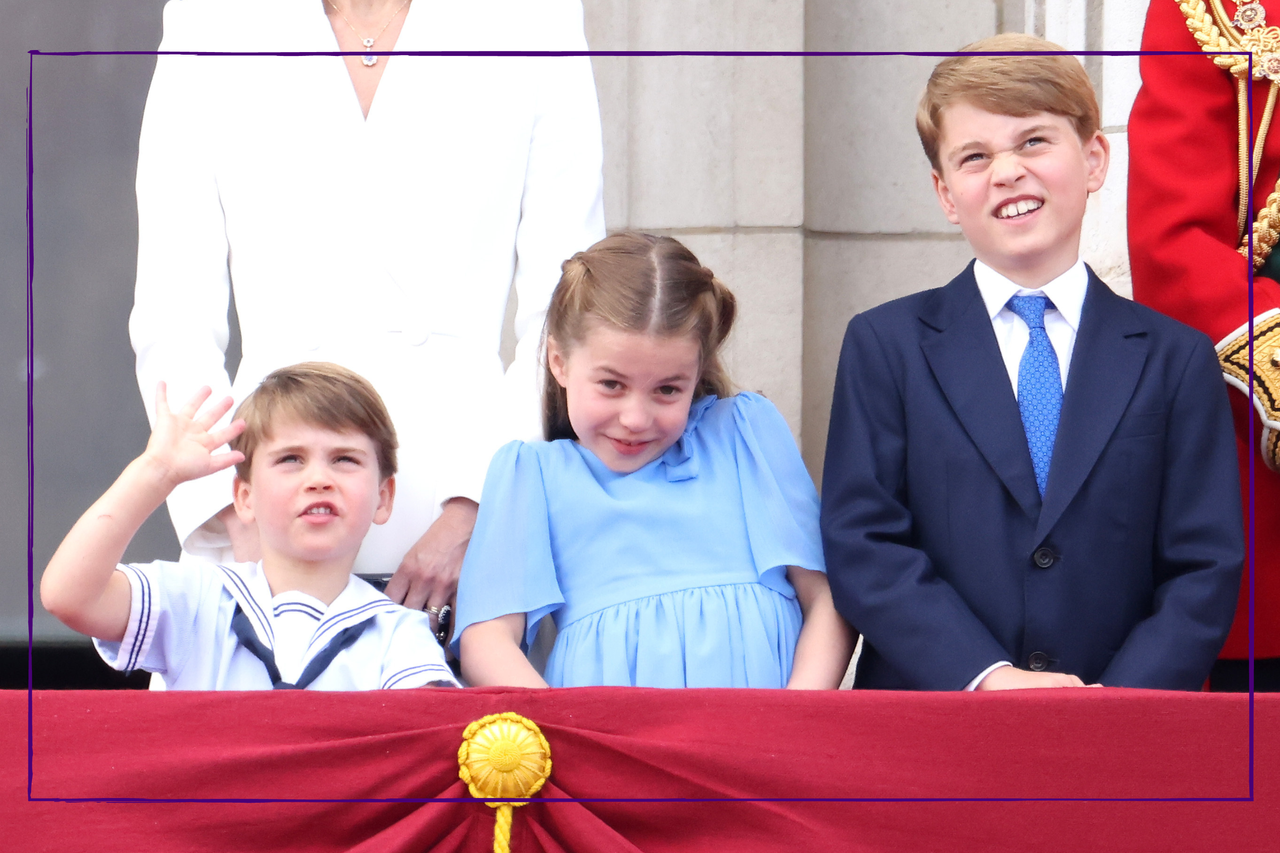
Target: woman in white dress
[[373, 211]]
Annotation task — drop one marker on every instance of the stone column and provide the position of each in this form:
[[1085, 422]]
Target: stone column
[[873, 227], [710, 150]]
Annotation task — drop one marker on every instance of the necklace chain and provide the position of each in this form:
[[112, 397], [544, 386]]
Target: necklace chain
[[368, 59]]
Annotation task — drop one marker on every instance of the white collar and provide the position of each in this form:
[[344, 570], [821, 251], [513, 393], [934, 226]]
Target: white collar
[[1066, 292], [247, 584]]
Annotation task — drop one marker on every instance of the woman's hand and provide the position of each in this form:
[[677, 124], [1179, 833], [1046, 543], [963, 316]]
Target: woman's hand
[[428, 574]]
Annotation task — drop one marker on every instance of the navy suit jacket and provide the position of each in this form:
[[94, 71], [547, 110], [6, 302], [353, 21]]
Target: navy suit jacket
[[939, 548]]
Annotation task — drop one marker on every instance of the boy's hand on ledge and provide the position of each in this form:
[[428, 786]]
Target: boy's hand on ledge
[[181, 444], [1012, 678]]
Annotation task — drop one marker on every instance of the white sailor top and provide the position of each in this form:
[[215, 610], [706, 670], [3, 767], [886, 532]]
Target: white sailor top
[[183, 623]]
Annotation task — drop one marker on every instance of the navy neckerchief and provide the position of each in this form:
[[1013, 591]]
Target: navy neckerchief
[[245, 634]]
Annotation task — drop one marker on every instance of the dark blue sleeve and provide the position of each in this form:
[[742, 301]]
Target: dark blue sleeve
[[1199, 542]]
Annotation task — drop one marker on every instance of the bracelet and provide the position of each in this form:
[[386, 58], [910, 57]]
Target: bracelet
[[444, 619]]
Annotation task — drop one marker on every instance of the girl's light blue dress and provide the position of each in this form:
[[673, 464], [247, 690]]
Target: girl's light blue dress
[[671, 576]]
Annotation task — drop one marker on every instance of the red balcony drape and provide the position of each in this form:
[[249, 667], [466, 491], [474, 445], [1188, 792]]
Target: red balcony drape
[[652, 770]]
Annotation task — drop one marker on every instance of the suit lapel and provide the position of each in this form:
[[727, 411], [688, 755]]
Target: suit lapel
[[1110, 352], [965, 360]]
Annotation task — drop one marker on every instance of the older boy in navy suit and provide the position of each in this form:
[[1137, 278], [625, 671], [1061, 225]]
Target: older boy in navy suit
[[1029, 481]]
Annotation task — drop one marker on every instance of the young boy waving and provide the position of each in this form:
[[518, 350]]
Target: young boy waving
[[1029, 481], [315, 456]]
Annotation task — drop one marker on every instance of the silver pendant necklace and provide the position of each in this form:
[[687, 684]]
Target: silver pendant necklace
[[368, 59]]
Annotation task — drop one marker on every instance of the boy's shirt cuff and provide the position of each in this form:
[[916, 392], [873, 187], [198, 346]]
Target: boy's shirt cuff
[[973, 685], [129, 653]]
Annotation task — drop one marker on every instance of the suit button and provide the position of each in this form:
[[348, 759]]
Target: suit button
[[1038, 662], [1044, 558]]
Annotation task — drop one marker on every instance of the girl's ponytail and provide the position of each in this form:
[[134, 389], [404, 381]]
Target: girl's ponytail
[[566, 306], [721, 307]]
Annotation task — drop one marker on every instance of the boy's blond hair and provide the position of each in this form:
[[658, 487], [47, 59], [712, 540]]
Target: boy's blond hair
[[988, 77], [321, 394]]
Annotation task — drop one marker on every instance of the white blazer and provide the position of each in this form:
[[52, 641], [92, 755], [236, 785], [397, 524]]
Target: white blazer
[[388, 245]]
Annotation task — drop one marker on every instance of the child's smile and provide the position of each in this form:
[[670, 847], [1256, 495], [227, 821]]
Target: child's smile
[[1018, 207], [628, 392], [629, 448]]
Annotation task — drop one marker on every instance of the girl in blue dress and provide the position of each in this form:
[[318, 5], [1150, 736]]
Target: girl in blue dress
[[669, 526]]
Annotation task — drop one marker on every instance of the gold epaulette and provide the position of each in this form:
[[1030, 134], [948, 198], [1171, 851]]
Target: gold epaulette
[[1262, 383]]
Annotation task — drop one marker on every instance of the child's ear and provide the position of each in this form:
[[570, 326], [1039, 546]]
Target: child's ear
[[386, 497], [944, 197], [1097, 154], [243, 500], [556, 360]]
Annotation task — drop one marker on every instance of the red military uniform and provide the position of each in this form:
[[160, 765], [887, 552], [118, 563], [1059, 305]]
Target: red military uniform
[[1184, 236]]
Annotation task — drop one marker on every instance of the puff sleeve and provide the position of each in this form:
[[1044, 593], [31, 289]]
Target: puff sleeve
[[778, 495], [509, 566]]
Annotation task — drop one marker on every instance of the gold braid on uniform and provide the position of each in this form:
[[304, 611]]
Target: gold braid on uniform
[[1264, 379], [1229, 42], [1224, 51], [1266, 231]]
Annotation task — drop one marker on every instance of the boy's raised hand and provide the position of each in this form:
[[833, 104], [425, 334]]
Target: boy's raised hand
[[181, 444], [80, 585]]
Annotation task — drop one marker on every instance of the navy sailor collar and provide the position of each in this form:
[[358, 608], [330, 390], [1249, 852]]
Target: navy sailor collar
[[358, 602]]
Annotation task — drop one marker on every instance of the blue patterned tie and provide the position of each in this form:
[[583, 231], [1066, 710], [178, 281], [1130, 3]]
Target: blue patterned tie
[[1039, 386]]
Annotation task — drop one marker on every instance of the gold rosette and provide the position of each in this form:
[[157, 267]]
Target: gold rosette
[[503, 755]]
